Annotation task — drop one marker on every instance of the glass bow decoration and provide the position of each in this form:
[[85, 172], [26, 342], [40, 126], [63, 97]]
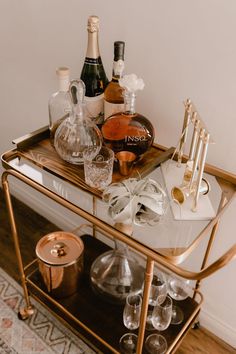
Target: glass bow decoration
[[131, 83], [139, 201]]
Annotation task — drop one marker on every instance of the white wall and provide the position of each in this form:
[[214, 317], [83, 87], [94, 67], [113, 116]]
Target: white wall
[[181, 49]]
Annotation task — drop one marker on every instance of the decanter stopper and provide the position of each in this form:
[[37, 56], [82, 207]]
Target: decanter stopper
[[77, 132], [130, 84], [77, 92]]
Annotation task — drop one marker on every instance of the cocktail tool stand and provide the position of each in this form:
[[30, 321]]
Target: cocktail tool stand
[[192, 184]]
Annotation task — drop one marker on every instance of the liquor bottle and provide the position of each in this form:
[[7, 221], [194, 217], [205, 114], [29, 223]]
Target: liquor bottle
[[93, 74], [59, 104], [113, 94], [128, 130]]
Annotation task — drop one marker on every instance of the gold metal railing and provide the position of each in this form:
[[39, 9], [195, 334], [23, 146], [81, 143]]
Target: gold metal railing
[[163, 260], [152, 256]]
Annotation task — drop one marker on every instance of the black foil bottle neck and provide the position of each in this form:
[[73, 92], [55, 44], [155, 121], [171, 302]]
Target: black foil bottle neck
[[119, 49]]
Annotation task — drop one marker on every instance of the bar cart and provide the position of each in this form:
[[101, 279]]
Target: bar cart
[[35, 163]]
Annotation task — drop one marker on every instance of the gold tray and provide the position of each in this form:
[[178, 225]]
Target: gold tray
[[36, 148]]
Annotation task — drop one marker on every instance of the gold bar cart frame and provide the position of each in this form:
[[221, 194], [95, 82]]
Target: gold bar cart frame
[[151, 255], [171, 262]]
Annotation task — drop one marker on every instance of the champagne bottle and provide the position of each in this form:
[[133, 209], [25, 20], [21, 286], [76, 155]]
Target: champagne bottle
[[59, 104], [93, 74], [113, 94]]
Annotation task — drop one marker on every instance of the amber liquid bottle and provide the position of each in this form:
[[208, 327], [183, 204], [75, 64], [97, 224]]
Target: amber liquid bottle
[[113, 94], [128, 130], [93, 74]]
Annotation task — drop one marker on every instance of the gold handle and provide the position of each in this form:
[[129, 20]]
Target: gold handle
[[219, 263], [58, 250]]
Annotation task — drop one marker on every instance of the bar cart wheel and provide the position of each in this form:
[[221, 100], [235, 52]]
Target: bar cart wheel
[[196, 325], [25, 312]]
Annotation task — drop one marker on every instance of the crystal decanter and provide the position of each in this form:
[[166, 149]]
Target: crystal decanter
[[76, 132], [116, 273]]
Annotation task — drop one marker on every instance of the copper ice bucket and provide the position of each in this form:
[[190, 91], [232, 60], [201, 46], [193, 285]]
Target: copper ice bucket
[[60, 259]]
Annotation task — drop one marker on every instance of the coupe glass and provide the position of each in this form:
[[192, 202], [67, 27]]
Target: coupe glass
[[178, 289], [157, 295], [161, 317], [131, 319]]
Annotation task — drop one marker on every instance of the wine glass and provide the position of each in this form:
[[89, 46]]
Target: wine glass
[[158, 293], [131, 319], [178, 289], [161, 317]]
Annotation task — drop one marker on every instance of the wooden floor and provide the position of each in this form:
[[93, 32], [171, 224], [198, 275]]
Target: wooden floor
[[32, 227]]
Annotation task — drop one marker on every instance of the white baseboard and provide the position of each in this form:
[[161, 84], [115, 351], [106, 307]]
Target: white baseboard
[[221, 329], [66, 220]]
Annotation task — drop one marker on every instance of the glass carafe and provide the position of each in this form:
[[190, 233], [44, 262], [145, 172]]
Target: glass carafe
[[76, 132], [116, 273]]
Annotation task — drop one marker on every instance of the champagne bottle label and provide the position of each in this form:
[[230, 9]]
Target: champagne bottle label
[[112, 108], [95, 108]]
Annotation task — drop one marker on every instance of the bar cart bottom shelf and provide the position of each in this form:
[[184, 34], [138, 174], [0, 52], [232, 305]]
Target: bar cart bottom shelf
[[93, 318]]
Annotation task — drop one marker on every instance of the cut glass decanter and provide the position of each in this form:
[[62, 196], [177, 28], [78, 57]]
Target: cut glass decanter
[[76, 132]]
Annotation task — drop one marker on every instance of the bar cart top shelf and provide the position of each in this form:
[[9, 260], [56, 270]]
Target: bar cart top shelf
[[34, 155]]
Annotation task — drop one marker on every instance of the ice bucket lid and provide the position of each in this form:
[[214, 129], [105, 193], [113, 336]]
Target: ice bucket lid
[[59, 248]]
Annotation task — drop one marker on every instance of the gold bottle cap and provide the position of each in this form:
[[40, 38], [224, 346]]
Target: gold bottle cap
[[93, 24]]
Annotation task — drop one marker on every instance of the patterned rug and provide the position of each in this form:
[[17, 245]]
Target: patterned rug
[[40, 334]]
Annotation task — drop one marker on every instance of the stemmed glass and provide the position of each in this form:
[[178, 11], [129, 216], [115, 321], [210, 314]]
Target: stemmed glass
[[178, 289], [131, 319], [161, 317], [158, 293]]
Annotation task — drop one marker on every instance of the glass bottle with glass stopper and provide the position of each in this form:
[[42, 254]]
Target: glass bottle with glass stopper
[[59, 104], [117, 273], [113, 94], [129, 130], [76, 132], [93, 74]]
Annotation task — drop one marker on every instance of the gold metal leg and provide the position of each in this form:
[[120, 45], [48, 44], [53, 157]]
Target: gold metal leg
[[143, 317], [209, 246], [94, 214], [28, 309], [210, 243]]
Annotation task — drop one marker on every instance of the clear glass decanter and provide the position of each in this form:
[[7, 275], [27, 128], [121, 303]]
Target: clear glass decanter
[[76, 132], [128, 130], [116, 273], [59, 104]]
